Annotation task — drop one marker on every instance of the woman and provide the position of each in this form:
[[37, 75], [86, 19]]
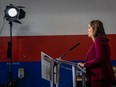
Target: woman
[[99, 70]]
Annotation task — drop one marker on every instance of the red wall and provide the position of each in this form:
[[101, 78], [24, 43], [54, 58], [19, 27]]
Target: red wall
[[28, 48]]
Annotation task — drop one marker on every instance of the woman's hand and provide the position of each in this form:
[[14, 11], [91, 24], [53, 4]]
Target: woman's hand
[[81, 64]]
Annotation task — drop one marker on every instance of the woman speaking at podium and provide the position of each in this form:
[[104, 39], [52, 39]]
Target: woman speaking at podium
[[98, 65]]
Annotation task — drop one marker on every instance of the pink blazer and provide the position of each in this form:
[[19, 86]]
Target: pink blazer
[[98, 64]]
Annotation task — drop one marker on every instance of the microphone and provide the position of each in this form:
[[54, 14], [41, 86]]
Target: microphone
[[74, 46], [69, 50]]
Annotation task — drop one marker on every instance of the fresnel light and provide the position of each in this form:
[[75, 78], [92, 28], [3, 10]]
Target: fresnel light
[[14, 13]]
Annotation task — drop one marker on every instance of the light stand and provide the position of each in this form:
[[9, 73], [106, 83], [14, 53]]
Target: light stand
[[12, 14], [11, 83]]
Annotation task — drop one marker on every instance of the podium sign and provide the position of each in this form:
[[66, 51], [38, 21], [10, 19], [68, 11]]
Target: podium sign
[[50, 71], [46, 66]]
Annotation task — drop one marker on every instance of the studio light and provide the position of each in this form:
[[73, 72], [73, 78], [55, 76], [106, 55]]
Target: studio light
[[14, 13]]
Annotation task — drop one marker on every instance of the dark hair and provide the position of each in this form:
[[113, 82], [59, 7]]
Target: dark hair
[[97, 25]]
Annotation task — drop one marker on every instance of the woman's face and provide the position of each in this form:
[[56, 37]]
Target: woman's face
[[90, 31]]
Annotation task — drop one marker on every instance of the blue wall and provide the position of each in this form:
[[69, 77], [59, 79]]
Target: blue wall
[[33, 74]]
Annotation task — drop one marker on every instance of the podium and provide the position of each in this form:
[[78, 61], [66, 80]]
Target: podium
[[51, 70]]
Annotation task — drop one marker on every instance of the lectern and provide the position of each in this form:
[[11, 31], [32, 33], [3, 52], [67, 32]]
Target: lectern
[[51, 70]]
